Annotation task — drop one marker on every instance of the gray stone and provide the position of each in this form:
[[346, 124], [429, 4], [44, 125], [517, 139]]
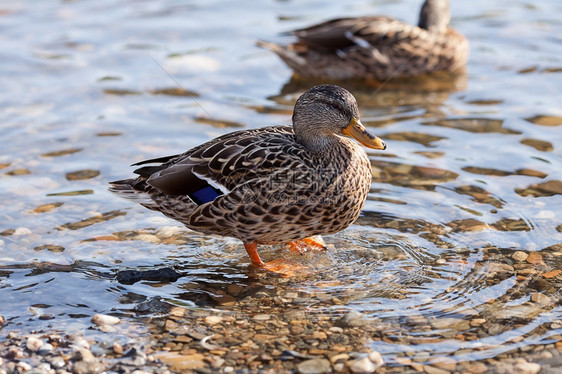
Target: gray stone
[[314, 366], [353, 319], [362, 365]]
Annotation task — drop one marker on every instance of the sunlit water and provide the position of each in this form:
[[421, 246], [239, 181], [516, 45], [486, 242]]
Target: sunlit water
[[472, 173]]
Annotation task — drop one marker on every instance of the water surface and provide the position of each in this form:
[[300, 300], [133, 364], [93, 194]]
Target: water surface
[[462, 228]]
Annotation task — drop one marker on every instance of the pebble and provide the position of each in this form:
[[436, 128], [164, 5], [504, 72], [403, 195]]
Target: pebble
[[262, 317], [353, 319], [476, 367], [23, 366], [167, 232], [477, 322], [33, 344], [362, 365], [339, 356], [148, 238], [22, 231], [314, 366], [212, 320], [519, 256], [540, 298], [524, 367], [434, 370], [103, 319], [45, 349], [376, 358], [117, 348]]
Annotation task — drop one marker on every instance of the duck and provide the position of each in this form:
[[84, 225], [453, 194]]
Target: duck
[[272, 185], [376, 48]]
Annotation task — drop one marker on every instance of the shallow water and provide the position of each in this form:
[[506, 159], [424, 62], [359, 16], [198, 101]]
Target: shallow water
[[471, 176]]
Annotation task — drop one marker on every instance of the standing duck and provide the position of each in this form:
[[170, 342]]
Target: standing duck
[[269, 185], [376, 47]]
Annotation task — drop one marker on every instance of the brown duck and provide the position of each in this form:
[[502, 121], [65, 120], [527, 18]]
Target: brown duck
[[376, 47], [268, 185]]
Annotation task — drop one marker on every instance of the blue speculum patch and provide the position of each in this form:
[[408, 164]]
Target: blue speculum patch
[[204, 195]]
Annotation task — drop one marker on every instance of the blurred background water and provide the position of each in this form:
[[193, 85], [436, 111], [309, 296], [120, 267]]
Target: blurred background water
[[472, 174]]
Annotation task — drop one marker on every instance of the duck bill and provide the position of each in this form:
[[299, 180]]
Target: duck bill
[[357, 131]]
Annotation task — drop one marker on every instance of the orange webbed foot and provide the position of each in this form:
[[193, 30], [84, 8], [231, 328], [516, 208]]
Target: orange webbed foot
[[283, 267], [314, 243]]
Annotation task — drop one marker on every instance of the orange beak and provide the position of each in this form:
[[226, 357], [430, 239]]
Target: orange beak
[[357, 131]]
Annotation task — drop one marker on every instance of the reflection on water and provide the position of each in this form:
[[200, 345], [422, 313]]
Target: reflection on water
[[456, 257]]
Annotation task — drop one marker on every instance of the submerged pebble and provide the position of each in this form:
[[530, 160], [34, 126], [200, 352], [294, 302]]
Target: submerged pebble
[[103, 319]]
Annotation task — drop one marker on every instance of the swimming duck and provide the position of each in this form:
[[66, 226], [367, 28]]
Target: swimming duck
[[376, 47], [268, 185]]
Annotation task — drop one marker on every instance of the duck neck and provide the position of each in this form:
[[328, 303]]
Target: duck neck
[[318, 144], [435, 16]]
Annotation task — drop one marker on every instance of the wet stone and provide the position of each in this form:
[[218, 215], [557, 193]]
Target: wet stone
[[314, 366], [212, 320], [33, 343], [524, 367], [540, 298], [519, 256], [353, 319], [103, 319], [362, 365]]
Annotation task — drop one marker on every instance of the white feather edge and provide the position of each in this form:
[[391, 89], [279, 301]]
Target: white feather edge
[[212, 183]]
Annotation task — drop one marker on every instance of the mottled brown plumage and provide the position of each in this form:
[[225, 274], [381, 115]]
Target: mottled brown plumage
[[377, 47], [268, 185]]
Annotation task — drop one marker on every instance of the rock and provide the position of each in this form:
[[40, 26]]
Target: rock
[[434, 370], [376, 358], [475, 368], [477, 322], [525, 367], [87, 367], [57, 362], [23, 366], [167, 232], [33, 343], [103, 319], [519, 256], [179, 362], [83, 354], [353, 319], [362, 365], [552, 274], [444, 363], [340, 356], [45, 349], [314, 366], [212, 320], [85, 362], [117, 348], [417, 319], [540, 298], [535, 258], [262, 317], [450, 323], [22, 231]]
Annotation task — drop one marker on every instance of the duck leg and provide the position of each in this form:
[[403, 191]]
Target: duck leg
[[314, 243], [252, 249], [280, 266]]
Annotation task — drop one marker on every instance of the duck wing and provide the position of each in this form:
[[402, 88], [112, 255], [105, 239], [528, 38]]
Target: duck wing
[[365, 32], [220, 165]]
